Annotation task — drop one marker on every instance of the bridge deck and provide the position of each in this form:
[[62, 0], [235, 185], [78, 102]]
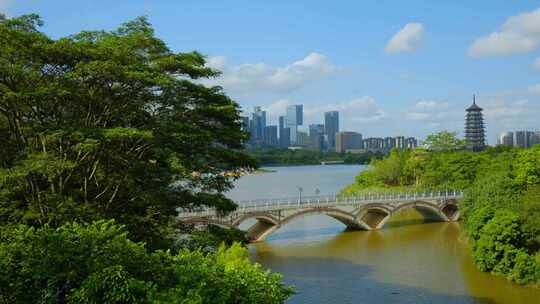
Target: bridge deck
[[325, 201]]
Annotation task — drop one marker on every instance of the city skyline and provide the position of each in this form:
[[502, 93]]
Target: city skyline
[[375, 64], [326, 136]]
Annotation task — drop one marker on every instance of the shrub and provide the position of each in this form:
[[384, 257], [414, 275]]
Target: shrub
[[97, 263]]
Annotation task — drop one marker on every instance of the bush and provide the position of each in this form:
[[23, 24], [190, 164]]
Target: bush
[[501, 206], [499, 238], [526, 269], [97, 263]]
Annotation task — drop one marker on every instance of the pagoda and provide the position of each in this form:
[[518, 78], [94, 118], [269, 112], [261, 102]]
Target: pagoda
[[474, 128]]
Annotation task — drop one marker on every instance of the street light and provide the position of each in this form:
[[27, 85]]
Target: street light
[[300, 193]]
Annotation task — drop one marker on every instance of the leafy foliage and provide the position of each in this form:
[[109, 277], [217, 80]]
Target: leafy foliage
[[211, 238], [97, 263], [501, 207], [110, 125], [444, 141]]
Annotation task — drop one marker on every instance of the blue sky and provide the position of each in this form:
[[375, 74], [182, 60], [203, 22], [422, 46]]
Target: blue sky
[[389, 67]]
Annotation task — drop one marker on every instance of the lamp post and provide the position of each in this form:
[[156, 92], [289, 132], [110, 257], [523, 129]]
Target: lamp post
[[300, 194]]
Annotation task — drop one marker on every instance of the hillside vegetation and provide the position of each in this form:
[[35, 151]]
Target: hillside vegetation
[[501, 206]]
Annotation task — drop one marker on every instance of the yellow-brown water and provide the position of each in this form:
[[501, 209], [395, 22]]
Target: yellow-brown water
[[403, 263], [408, 261]]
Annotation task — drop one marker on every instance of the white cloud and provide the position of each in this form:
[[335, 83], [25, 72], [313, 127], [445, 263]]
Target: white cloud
[[251, 78], [518, 34], [431, 104], [536, 63], [434, 112], [359, 110], [513, 114], [408, 39], [534, 89]]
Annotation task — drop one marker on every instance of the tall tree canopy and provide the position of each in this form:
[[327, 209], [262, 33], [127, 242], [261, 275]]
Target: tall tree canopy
[[444, 141], [109, 124]]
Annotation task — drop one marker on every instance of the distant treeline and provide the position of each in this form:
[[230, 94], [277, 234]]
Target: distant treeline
[[310, 157]]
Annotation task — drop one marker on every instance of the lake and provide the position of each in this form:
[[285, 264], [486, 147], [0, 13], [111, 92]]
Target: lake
[[408, 261]]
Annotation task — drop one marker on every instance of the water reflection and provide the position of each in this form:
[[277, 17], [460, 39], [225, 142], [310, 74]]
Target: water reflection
[[409, 261], [422, 263], [328, 280]]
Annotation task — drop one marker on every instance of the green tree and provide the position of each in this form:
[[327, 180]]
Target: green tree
[[527, 166], [97, 263], [110, 125], [444, 141]]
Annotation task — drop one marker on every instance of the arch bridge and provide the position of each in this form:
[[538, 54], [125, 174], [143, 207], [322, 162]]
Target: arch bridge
[[361, 212]]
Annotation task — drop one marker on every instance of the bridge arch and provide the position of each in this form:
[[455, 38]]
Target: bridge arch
[[450, 210], [348, 219], [373, 215], [266, 223], [428, 210], [260, 230], [259, 216]]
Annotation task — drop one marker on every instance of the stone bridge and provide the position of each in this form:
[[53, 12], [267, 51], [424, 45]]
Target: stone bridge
[[362, 212]]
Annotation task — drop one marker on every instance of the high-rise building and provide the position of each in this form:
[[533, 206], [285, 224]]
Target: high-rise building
[[531, 138], [520, 139], [294, 118], [258, 123], [285, 138], [316, 129], [506, 138], [316, 137], [474, 128], [271, 136], [348, 141], [524, 139], [245, 123], [537, 138], [302, 139], [284, 133], [331, 126], [411, 143], [389, 143], [400, 142]]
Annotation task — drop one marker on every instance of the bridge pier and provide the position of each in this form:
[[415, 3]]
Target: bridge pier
[[260, 230]]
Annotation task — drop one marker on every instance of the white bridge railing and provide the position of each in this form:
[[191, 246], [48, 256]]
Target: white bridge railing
[[324, 201]]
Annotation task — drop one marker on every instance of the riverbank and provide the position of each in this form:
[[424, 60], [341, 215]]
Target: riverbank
[[286, 157], [408, 261], [501, 207]]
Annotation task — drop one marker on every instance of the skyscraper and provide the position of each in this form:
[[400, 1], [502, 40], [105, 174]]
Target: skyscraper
[[506, 138], [271, 136], [284, 133], [520, 139], [474, 128], [316, 137], [348, 141], [331, 126], [411, 143], [524, 139], [294, 118], [400, 142], [536, 138], [258, 123]]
